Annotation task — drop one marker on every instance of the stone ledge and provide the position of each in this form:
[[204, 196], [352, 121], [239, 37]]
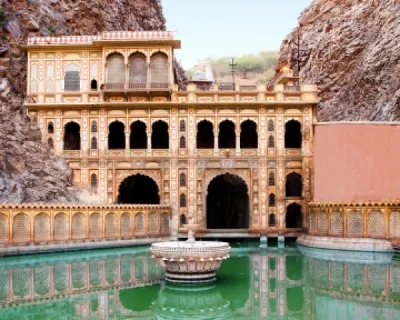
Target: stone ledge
[[47, 248], [352, 244]]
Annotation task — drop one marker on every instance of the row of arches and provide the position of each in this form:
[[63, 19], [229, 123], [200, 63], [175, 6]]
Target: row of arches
[[160, 135], [138, 69], [124, 226]]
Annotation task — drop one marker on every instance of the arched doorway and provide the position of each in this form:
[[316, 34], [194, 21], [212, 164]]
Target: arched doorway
[[248, 135], [293, 216], [227, 136], [72, 136], [160, 135], [293, 136], [205, 135], [138, 189], [116, 135], [138, 136], [227, 203], [294, 185]]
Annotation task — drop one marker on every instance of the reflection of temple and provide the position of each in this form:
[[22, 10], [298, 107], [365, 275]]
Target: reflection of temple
[[281, 284], [110, 105]]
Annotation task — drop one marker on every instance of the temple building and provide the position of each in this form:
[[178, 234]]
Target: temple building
[[238, 157]]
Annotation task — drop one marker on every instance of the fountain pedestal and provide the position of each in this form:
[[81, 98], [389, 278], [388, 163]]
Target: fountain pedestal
[[190, 261]]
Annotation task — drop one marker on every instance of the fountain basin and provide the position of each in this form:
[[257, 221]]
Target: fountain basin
[[190, 261]]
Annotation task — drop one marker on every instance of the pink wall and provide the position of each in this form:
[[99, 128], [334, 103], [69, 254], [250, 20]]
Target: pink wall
[[356, 162]]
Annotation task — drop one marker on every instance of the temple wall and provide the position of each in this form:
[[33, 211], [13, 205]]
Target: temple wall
[[356, 162]]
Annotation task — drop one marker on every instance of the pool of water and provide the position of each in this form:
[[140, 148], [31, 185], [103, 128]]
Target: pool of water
[[267, 283]]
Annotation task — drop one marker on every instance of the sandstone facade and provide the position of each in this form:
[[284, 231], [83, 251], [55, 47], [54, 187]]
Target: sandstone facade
[[29, 170]]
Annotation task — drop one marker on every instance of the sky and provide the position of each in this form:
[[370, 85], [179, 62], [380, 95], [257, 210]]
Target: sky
[[219, 28]]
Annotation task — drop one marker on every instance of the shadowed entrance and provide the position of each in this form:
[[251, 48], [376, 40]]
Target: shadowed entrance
[[138, 189], [227, 203]]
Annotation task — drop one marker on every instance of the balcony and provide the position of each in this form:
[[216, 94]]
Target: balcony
[[136, 86]]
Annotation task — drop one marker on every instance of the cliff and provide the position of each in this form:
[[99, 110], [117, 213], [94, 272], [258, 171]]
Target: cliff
[[351, 50], [29, 170]]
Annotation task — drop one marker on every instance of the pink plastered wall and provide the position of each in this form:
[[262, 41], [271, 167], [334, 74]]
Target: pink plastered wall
[[356, 162]]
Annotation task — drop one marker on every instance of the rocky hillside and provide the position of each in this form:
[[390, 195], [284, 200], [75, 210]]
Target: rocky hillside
[[351, 49], [29, 170]]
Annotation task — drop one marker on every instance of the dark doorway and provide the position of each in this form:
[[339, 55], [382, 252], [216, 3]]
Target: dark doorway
[[93, 85], [227, 203], [294, 185], [293, 216], [248, 135], [72, 136], [293, 136], [205, 135], [138, 189], [226, 137], [116, 135], [138, 137], [160, 136]]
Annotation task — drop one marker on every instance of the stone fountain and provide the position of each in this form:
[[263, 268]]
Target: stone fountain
[[190, 261]]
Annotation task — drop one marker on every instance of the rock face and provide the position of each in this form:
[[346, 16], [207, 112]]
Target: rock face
[[351, 50], [29, 170]]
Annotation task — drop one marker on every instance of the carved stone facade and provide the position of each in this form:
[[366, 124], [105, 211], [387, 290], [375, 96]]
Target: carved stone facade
[[182, 171]]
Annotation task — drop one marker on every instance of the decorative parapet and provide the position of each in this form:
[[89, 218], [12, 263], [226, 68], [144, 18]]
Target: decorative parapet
[[22, 224], [112, 35], [369, 219]]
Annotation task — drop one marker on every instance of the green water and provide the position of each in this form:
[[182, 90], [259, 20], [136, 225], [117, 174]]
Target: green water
[[268, 283]]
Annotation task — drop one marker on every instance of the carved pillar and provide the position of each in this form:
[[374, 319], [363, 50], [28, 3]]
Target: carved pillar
[[237, 142], [127, 142], [216, 142], [149, 142]]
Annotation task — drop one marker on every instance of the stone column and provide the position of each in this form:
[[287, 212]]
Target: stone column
[[216, 143], [237, 142], [127, 147], [148, 142]]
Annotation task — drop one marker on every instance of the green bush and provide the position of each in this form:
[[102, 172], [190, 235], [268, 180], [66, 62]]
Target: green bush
[[52, 29], [3, 16]]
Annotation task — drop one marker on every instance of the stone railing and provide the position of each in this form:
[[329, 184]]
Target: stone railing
[[374, 220], [49, 223]]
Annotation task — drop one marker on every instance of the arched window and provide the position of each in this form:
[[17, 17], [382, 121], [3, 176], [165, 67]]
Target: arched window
[[138, 70], [182, 220], [271, 200], [293, 136], [271, 142], [72, 136], [182, 143], [294, 185], [272, 220], [50, 143], [271, 125], [93, 85], [115, 69], [138, 136], [271, 179], [116, 135], [248, 135], [227, 137], [160, 135], [182, 180], [182, 126], [159, 70], [93, 143], [205, 135], [72, 78], [93, 180], [93, 126], [50, 128], [182, 200]]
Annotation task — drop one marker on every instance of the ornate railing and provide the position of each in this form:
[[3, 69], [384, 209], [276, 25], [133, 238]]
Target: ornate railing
[[137, 86], [379, 220], [114, 86], [46, 224], [226, 86], [248, 88], [155, 85], [295, 88], [204, 87]]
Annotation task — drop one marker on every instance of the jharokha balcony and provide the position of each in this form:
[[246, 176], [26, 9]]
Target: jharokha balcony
[[135, 87]]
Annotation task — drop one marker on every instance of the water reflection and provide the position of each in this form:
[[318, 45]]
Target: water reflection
[[253, 284]]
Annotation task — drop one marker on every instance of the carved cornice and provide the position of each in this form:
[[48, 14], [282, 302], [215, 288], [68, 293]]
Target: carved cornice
[[82, 206]]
